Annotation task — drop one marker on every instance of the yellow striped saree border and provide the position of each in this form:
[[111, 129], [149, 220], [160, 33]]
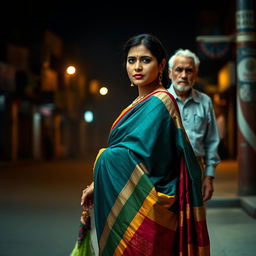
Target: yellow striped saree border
[[128, 189], [198, 214], [98, 155], [172, 109], [138, 219]]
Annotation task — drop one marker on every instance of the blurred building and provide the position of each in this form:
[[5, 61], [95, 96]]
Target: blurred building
[[216, 48], [41, 106]]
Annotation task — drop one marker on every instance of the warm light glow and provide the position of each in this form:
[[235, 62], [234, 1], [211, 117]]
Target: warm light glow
[[88, 116], [71, 70], [103, 90], [94, 86], [226, 77], [223, 78]]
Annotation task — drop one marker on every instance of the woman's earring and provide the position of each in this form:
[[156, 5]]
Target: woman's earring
[[160, 78], [132, 84]]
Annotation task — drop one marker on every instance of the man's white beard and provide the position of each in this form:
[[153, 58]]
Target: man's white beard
[[182, 88]]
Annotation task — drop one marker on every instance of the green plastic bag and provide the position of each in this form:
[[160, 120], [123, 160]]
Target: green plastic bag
[[83, 246]]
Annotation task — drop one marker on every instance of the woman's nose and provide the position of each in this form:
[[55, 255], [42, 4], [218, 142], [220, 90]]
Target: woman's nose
[[137, 65]]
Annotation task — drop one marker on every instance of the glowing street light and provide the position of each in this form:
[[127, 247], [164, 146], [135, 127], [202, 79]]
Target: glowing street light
[[103, 90], [88, 116], [71, 70]]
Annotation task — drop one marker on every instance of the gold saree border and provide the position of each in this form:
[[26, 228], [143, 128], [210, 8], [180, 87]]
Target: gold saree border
[[198, 211], [125, 193], [172, 109], [137, 220]]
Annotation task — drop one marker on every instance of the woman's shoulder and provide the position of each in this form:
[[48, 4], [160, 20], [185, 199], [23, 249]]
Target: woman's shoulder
[[170, 104], [166, 98]]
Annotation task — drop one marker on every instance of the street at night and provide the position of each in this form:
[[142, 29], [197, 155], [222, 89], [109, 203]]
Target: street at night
[[63, 82], [40, 207], [40, 211]]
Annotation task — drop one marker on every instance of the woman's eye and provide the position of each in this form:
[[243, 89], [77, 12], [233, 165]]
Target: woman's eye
[[131, 60], [146, 60]]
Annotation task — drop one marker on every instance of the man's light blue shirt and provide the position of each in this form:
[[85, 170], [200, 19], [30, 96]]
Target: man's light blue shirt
[[199, 121]]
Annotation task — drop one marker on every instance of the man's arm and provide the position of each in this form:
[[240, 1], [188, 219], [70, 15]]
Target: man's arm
[[211, 158], [207, 188]]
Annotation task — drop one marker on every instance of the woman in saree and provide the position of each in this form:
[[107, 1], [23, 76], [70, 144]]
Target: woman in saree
[[146, 191]]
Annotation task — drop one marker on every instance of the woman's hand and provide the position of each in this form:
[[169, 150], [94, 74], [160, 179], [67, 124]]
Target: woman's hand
[[87, 202], [87, 197]]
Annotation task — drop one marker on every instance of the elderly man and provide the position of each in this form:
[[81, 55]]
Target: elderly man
[[197, 114]]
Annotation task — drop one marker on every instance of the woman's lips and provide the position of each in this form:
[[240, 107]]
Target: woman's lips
[[138, 76]]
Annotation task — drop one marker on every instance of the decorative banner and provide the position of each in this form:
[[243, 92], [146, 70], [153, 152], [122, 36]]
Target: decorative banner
[[214, 47]]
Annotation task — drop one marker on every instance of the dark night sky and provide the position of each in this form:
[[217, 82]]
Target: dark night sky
[[96, 31], [99, 29]]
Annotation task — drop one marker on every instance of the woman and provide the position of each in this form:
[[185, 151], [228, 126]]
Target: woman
[[146, 192]]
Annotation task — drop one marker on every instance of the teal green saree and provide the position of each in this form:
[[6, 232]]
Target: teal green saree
[[147, 185]]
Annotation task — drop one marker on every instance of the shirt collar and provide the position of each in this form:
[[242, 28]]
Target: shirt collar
[[193, 95]]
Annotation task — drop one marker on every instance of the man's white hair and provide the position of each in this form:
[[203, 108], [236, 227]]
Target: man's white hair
[[184, 53]]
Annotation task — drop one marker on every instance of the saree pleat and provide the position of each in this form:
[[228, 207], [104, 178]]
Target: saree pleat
[[192, 222], [147, 185]]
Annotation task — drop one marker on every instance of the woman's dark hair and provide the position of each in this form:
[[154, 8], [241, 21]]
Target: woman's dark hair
[[153, 44]]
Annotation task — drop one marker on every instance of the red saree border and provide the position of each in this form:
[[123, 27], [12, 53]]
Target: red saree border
[[192, 231], [149, 239], [152, 217]]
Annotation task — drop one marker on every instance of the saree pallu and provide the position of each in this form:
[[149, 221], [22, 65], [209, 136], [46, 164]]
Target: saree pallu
[[147, 185]]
